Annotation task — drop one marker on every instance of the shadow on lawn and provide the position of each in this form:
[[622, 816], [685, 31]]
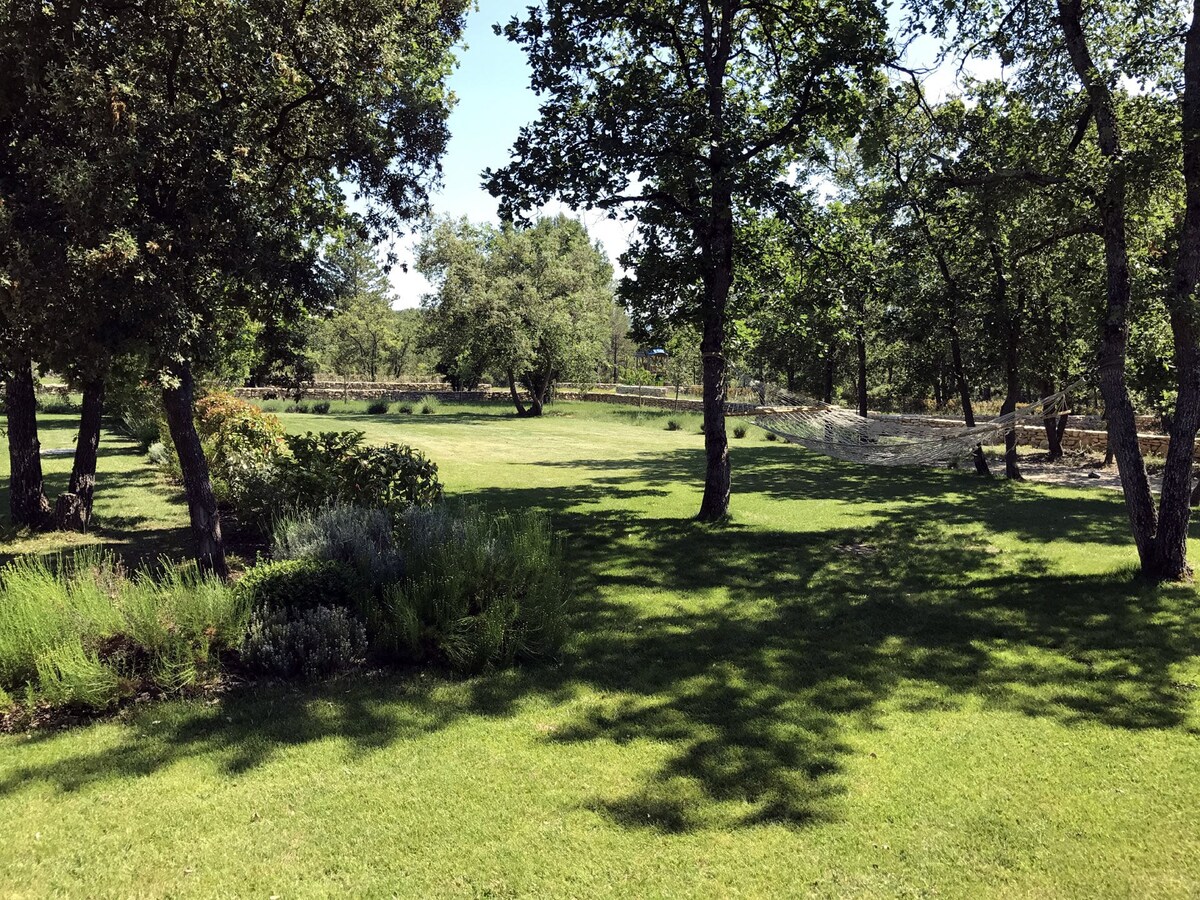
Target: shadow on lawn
[[760, 652]]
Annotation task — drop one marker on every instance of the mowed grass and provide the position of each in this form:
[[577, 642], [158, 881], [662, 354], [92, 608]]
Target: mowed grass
[[869, 683], [136, 512]]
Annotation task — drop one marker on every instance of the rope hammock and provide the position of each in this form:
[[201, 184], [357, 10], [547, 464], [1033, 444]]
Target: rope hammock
[[884, 440]]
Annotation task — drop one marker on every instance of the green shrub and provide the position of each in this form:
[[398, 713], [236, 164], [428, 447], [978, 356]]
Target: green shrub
[[321, 407], [672, 425], [309, 643], [378, 407], [480, 591], [429, 405], [739, 431], [63, 621], [340, 468], [405, 408], [300, 584], [360, 537], [770, 436], [243, 445], [69, 675]]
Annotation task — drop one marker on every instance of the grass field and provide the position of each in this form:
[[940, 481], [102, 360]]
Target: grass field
[[869, 683]]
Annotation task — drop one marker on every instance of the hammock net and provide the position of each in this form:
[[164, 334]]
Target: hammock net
[[891, 440]]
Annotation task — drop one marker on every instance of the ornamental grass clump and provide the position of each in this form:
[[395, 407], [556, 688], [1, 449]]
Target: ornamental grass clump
[[82, 631]]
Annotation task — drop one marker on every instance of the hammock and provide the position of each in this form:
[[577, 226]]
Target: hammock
[[885, 440]]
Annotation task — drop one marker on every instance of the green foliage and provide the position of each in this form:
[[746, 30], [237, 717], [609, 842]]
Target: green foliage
[[672, 425], [531, 304], [321, 408], [378, 408], [296, 584], [69, 675], [340, 467], [480, 591], [309, 643], [428, 405], [739, 431], [81, 630], [360, 537], [405, 408]]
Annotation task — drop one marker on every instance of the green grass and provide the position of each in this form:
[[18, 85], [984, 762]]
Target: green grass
[[869, 683], [136, 512]]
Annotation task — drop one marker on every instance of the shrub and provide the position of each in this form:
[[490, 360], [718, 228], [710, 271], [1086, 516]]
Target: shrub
[[378, 407], [672, 425], [69, 675], [771, 436], [321, 407], [429, 405], [405, 408], [349, 534], [300, 584], [310, 643], [136, 407], [57, 400], [480, 591], [338, 467], [83, 631], [739, 431]]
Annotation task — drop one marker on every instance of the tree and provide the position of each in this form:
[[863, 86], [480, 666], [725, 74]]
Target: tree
[[222, 135], [532, 303], [681, 112], [1073, 58], [358, 336]]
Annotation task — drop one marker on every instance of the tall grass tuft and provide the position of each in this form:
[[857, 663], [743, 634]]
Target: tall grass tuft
[[428, 405], [81, 630]]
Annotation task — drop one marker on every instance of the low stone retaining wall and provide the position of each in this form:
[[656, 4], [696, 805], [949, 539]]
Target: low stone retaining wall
[[356, 390]]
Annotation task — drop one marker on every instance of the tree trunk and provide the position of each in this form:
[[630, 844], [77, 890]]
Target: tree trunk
[[27, 501], [73, 511], [1053, 423], [197, 485], [1170, 544], [1012, 372], [516, 396], [718, 278], [1114, 340], [964, 393], [827, 391], [861, 340]]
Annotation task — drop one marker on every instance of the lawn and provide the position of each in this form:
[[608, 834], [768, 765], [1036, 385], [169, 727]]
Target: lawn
[[869, 683]]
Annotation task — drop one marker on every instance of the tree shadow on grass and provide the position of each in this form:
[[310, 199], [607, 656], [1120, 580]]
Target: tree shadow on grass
[[753, 660]]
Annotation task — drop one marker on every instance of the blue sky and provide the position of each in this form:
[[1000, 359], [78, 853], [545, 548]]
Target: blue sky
[[494, 101]]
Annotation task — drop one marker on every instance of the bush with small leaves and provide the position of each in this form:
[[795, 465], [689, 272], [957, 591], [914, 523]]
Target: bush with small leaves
[[405, 408], [481, 591], [770, 436], [360, 537], [378, 408], [301, 584], [307, 643], [672, 425], [429, 405], [739, 431], [321, 407], [340, 467]]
